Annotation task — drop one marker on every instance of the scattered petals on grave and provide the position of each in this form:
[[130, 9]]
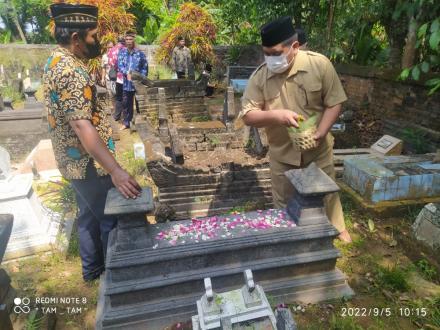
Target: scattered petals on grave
[[203, 229]]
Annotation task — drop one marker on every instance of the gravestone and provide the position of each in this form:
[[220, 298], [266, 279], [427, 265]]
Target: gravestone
[[176, 145], [311, 185], [426, 228], [236, 309], [229, 105], [35, 228], [163, 114], [388, 146], [154, 273]]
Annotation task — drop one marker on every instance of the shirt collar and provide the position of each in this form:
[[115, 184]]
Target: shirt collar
[[299, 64], [67, 53]]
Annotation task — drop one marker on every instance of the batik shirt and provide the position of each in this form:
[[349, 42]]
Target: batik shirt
[[70, 94], [129, 61], [181, 59]]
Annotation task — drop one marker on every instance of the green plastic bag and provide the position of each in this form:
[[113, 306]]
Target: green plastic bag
[[304, 125]]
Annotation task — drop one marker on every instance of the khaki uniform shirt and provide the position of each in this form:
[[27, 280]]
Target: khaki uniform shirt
[[181, 59], [310, 86], [70, 94]]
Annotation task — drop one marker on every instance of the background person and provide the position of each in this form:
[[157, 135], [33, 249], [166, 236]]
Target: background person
[[130, 59], [181, 59], [117, 77]]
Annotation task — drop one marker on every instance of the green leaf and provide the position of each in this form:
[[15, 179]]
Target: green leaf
[[422, 30], [415, 73], [433, 82], [371, 225], [434, 59], [425, 67], [434, 40], [404, 74], [435, 26]]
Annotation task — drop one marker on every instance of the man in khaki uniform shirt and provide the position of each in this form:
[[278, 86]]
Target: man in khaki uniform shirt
[[290, 83]]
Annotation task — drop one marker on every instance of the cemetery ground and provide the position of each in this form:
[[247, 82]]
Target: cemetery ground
[[396, 280]]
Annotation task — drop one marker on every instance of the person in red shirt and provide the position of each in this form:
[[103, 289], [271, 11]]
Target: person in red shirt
[[117, 77]]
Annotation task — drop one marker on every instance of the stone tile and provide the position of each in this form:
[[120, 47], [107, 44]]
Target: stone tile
[[117, 204], [311, 181]]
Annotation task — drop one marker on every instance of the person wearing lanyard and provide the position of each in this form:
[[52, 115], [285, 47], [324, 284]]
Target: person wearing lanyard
[[130, 59]]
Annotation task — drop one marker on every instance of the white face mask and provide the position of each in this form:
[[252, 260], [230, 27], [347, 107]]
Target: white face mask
[[278, 64]]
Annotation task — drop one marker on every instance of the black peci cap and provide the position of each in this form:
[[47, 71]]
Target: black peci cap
[[302, 37], [277, 31], [74, 16]]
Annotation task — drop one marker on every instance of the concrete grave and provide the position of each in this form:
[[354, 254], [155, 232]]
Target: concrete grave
[[426, 228], [35, 228], [7, 292], [154, 273], [5, 164], [41, 161], [393, 178]]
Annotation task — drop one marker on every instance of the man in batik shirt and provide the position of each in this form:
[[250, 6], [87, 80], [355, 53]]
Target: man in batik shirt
[[181, 59], [80, 132], [130, 59]]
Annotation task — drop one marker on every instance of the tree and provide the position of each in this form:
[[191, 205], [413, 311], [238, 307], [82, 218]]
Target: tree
[[194, 24], [113, 17], [422, 48], [9, 17]]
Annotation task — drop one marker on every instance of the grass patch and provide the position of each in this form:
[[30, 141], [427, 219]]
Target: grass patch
[[58, 196], [8, 92], [393, 279], [214, 141], [135, 167], [343, 323], [159, 72], [197, 119], [247, 207], [424, 267]]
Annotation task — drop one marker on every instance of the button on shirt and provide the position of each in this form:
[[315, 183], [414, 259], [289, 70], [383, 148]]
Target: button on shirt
[[70, 94], [129, 61], [309, 87]]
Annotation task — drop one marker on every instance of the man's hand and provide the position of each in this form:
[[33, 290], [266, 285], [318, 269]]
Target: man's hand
[[286, 118], [319, 136], [129, 76], [125, 183]]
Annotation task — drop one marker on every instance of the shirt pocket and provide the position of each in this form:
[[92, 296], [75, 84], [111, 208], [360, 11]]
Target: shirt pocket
[[272, 96], [273, 102], [313, 96]]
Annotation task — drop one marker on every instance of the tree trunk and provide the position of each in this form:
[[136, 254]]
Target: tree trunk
[[409, 51], [14, 19], [330, 19], [20, 31]]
